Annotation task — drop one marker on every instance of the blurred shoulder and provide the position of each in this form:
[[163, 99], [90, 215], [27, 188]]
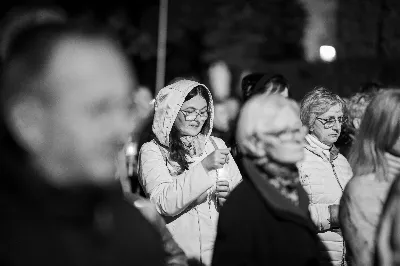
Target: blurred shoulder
[[360, 185], [243, 202], [145, 206]]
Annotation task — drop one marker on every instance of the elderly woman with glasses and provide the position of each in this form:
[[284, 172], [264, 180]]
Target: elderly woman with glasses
[[324, 172], [266, 221], [187, 173]]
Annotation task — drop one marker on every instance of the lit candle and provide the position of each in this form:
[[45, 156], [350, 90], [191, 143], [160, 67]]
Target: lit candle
[[131, 149]]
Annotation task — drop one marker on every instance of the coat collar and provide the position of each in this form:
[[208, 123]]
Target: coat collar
[[318, 148]]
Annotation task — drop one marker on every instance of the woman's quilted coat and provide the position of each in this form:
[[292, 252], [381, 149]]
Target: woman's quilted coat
[[324, 174], [193, 224]]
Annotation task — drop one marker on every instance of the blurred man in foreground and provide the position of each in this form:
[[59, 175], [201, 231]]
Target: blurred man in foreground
[[65, 115]]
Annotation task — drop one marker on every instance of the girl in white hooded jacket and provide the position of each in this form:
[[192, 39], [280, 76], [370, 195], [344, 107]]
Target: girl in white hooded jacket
[[187, 173]]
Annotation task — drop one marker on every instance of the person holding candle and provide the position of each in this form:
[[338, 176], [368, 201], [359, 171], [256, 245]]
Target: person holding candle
[[184, 171]]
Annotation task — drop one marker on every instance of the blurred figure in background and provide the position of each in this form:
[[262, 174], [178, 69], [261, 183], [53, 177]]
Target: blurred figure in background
[[266, 220], [324, 172], [254, 84], [186, 173], [66, 112], [128, 156], [374, 166], [371, 87], [226, 113], [226, 106], [257, 84], [355, 107]]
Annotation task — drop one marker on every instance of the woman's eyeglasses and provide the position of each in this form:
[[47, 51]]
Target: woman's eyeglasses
[[192, 115], [328, 123]]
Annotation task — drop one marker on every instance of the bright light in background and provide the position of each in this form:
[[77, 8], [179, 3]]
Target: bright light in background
[[327, 53]]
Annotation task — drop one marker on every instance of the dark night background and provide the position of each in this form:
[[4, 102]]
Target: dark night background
[[257, 35]]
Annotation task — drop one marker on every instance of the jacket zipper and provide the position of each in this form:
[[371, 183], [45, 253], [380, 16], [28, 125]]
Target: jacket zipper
[[341, 188]]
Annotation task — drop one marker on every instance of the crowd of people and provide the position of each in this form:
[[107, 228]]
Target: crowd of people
[[278, 191]]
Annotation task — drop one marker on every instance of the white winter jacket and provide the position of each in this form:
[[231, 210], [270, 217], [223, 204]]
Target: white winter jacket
[[193, 224], [324, 173]]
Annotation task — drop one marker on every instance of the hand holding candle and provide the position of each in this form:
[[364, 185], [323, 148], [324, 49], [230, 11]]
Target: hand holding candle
[[222, 190]]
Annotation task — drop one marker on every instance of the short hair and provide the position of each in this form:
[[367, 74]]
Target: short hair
[[258, 83], [317, 102], [259, 108], [31, 49], [379, 131], [17, 19]]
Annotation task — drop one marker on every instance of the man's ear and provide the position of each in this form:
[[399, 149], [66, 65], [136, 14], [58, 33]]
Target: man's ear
[[27, 123], [255, 146]]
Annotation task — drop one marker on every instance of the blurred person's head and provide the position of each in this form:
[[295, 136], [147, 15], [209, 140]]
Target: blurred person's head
[[322, 112], [379, 133], [269, 127], [371, 87], [225, 112], [255, 83], [142, 98], [66, 99], [356, 106]]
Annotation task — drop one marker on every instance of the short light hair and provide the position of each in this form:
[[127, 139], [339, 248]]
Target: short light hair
[[257, 117], [317, 102]]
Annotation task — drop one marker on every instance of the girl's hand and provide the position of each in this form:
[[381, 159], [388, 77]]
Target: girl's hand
[[216, 159], [222, 191]]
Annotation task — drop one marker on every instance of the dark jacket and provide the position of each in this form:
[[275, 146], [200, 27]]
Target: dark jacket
[[258, 226], [174, 253], [44, 225]]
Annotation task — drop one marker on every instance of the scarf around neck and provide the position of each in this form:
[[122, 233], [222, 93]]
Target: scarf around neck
[[194, 145], [285, 178]]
